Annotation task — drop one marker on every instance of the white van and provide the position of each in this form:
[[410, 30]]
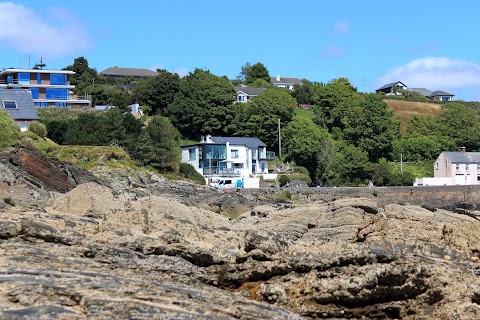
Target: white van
[[224, 184]]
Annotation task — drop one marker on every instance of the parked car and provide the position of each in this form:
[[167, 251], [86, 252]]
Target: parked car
[[316, 184]]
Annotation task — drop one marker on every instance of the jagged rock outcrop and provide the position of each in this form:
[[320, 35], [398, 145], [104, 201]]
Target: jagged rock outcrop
[[97, 254]]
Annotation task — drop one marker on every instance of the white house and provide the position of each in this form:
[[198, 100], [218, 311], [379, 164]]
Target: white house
[[243, 158], [245, 94], [454, 168], [287, 83]]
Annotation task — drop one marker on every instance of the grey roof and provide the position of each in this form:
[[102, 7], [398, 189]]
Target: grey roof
[[26, 109], [440, 93], [463, 157], [422, 91], [245, 141], [390, 85], [128, 72], [274, 80], [250, 91]]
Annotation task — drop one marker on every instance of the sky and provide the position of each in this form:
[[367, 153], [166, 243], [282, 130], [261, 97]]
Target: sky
[[424, 44]]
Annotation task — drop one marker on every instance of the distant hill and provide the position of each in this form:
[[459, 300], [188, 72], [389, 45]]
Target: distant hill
[[404, 110]]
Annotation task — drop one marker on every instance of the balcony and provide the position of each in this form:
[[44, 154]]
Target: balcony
[[224, 172], [269, 155]]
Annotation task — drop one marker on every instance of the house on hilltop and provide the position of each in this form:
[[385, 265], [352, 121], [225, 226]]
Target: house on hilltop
[[229, 157], [245, 94], [287, 83], [438, 95], [117, 72], [49, 88], [19, 106], [392, 88]]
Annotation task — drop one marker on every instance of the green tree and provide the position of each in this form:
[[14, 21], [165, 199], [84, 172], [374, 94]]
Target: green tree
[[257, 71], [84, 75], [259, 118], [347, 166], [107, 95], [158, 145], [370, 126], [157, 92], [203, 105], [463, 125], [302, 141]]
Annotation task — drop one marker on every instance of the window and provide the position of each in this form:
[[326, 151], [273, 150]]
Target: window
[[58, 79], [24, 78], [241, 98], [234, 153], [457, 167], [10, 104], [466, 167], [56, 94], [192, 154], [436, 165], [34, 92]]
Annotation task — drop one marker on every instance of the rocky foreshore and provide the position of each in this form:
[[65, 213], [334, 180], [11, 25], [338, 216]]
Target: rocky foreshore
[[116, 247]]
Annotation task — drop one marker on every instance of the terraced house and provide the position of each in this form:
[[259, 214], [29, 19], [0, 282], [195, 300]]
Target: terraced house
[[49, 88]]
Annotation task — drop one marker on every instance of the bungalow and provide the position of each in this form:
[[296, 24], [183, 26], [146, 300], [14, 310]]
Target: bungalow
[[392, 88], [238, 158], [116, 72], [438, 95], [19, 105], [455, 168], [287, 83], [245, 94]]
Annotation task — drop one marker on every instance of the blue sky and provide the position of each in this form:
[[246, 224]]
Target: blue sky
[[430, 44]]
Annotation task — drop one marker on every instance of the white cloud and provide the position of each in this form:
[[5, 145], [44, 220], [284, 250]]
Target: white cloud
[[52, 34], [332, 51], [182, 72], [341, 27], [435, 73]]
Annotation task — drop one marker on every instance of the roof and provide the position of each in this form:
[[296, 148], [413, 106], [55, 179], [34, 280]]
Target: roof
[[246, 141], [128, 72], [422, 91], [7, 71], [440, 93], [250, 91], [26, 109], [463, 157], [278, 80], [390, 85]]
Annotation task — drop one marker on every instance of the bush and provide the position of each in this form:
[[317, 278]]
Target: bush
[[188, 171], [38, 128], [283, 180], [9, 130]]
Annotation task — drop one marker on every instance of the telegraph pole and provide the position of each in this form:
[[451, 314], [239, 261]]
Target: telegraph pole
[[279, 141]]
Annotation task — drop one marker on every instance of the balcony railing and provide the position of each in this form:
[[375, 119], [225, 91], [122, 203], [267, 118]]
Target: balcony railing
[[224, 172], [269, 155]]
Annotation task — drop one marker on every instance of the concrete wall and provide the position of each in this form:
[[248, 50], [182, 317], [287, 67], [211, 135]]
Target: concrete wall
[[437, 196]]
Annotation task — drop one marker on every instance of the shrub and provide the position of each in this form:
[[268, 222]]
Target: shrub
[[283, 180], [188, 171], [38, 128], [9, 130]]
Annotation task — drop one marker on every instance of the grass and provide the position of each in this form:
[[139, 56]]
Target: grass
[[404, 110], [303, 113]]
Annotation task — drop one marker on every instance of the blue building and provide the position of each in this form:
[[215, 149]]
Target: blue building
[[49, 88]]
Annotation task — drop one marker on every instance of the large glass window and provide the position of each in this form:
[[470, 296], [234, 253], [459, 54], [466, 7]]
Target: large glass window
[[23, 78], [34, 92], [215, 152], [58, 94], [234, 153], [58, 79]]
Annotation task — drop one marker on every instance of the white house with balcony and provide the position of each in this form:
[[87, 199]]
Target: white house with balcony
[[239, 158]]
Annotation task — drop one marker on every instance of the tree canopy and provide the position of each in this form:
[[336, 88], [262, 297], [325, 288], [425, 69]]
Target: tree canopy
[[251, 73]]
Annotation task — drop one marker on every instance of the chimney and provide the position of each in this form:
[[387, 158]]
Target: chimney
[[278, 78], [463, 149]]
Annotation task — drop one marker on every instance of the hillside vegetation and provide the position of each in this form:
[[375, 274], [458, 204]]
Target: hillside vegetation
[[404, 110]]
